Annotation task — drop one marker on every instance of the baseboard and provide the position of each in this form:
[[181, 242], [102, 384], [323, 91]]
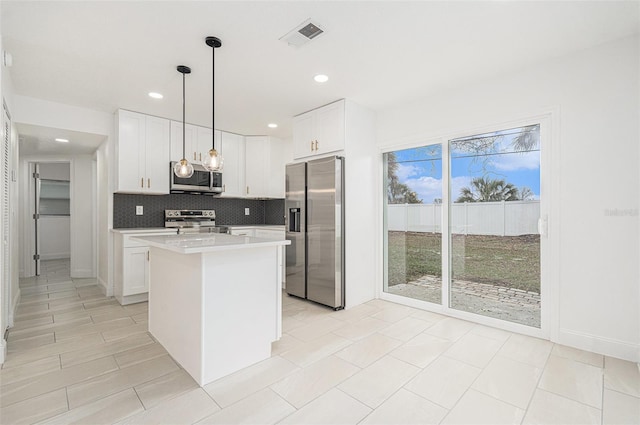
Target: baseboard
[[108, 292], [82, 273], [56, 256], [601, 345], [14, 306]]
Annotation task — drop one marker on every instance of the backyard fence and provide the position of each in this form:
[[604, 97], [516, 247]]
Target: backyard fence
[[510, 218]]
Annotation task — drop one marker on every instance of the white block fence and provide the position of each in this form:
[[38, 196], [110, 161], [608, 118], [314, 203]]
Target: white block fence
[[510, 218]]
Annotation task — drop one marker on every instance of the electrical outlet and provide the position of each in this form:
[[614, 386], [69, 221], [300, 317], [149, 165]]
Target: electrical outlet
[[139, 210], [246, 211]]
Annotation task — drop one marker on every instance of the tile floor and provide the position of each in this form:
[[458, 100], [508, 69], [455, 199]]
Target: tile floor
[[75, 356]]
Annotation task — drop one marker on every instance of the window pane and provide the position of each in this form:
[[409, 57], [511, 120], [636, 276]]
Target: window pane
[[413, 216], [494, 211]]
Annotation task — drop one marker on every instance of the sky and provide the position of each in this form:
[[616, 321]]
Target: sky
[[421, 168]]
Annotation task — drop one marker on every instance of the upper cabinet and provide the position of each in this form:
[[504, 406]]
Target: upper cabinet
[[232, 149], [197, 142], [142, 153], [264, 167], [319, 131]]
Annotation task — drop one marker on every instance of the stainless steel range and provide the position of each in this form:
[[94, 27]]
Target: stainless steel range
[[193, 221]]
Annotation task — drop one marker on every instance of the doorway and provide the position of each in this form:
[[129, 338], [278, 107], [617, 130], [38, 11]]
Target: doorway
[[51, 212], [462, 232]]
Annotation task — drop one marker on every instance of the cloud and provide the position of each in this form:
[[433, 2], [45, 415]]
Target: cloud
[[517, 161], [427, 188], [458, 183], [405, 171]]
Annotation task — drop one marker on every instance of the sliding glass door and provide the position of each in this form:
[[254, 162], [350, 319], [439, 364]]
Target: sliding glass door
[[493, 257], [413, 204]]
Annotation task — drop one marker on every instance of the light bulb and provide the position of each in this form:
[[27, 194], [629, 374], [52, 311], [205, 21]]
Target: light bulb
[[213, 161], [183, 169]]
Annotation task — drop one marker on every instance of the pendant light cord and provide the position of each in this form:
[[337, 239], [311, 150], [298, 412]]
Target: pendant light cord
[[183, 117], [213, 97]]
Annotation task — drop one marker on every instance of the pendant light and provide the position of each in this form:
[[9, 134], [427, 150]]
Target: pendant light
[[183, 168], [213, 159]]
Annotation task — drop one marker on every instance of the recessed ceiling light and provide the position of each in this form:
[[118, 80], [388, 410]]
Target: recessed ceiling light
[[272, 125], [155, 95], [62, 140], [321, 78]]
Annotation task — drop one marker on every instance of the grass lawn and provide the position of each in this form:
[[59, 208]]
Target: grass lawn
[[510, 261]]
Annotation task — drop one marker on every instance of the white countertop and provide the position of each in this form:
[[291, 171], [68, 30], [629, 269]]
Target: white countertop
[[207, 242], [144, 230], [168, 229]]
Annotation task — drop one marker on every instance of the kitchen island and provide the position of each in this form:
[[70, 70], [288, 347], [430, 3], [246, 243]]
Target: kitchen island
[[215, 300]]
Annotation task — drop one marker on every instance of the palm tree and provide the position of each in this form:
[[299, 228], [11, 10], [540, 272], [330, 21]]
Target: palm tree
[[488, 190], [397, 192]]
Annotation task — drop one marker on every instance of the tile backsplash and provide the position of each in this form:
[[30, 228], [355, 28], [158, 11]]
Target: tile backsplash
[[228, 211]]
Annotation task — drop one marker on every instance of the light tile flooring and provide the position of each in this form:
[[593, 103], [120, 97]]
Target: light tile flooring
[[78, 357]]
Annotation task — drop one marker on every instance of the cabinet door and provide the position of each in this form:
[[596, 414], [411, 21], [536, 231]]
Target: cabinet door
[[257, 161], [203, 142], [176, 142], [232, 150], [303, 135], [276, 171], [156, 157], [135, 274], [131, 136], [330, 128]]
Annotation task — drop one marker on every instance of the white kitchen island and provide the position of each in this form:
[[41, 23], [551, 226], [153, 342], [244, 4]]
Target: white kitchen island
[[215, 300]]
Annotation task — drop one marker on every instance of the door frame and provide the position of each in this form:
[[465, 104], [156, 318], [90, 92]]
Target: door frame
[[28, 249], [549, 211]]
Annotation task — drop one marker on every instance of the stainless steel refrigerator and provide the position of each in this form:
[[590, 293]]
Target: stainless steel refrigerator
[[314, 209]]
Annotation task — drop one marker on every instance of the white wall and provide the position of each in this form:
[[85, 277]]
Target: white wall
[[594, 147], [9, 291]]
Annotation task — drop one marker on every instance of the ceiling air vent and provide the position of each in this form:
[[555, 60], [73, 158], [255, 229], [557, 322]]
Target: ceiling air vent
[[302, 34]]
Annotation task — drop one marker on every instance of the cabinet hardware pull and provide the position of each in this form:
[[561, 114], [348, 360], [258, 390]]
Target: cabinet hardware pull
[[147, 255], [149, 183], [200, 157], [141, 181], [247, 190], [316, 145], [312, 145], [194, 156], [224, 188]]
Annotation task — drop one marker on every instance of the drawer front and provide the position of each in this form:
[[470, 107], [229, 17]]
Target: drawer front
[[128, 242]]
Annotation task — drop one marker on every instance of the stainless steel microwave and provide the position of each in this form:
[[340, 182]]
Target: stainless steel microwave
[[202, 181]]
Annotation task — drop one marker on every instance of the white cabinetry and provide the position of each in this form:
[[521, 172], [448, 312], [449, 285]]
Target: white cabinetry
[[264, 167], [319, 131], [142, 153], [276, 232], [197, 142], [233, 151], [131, 265]]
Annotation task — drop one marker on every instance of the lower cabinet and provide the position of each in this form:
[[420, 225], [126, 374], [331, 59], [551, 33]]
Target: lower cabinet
[[131, 265]]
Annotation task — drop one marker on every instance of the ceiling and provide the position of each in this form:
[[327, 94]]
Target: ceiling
[[106, 55]]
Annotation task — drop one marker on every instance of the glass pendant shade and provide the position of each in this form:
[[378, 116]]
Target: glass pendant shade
[[213, 161], [183, 169]]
